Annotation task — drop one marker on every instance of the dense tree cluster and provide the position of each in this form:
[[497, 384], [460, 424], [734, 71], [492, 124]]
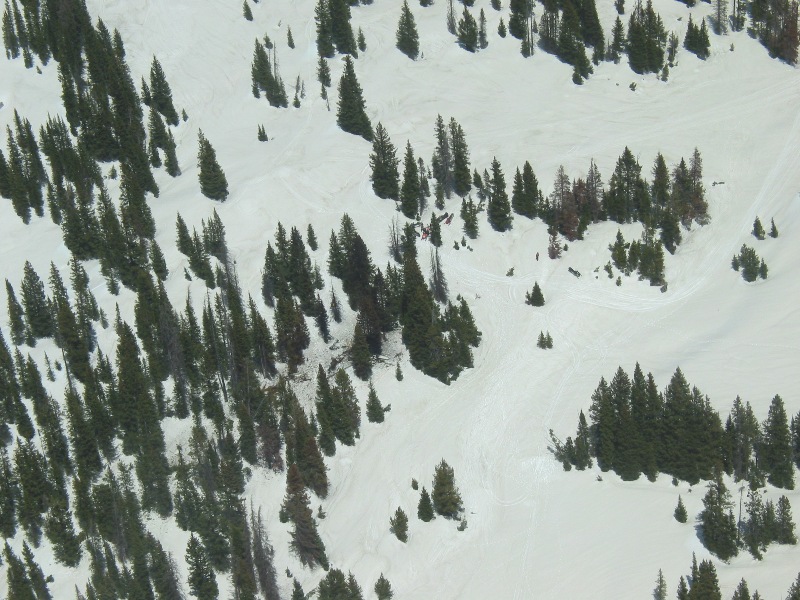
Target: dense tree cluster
[[750, 264], [334, 30], [702, 583], [696, 40], [265, 76], [775, 23], [634, 428], [439, 342]]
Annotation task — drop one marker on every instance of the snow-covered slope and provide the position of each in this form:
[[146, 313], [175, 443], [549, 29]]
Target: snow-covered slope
[[533, 531]]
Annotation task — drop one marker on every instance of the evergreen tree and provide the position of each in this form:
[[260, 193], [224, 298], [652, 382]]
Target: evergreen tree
[[383, 160], [535, 296], [202, 581], [324, 72], [213, 183], [351, 113], [360, 356], [742, 592], [306, 542], [462, 181], [483, 40], [322, 16], [646, 39], [425, 507], [775, 456], [37, 308], [784, 524], [437, 282], [374, 408], [680, 511], [706, 584], [410, 195], [263, 555], [248, 14], [717, 521], [570, 46], [10, 39], [35, 574], [161, 94], [407, 36], [20, 586], [445, 496], [398, 525], [383, 589], [719, 19], [758, 229], [773, 231], [442, 160], [468, 31], [498, 209], [16, 318], [660, 591], [501, 28], [794, 590], [341, 29], [362, 41]]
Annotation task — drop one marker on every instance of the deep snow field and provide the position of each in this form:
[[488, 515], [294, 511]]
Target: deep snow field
[[534, 531]]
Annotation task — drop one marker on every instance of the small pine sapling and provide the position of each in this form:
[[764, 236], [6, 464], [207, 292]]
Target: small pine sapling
[[289, 38], [248, 14], [501, 28], [362, 41]]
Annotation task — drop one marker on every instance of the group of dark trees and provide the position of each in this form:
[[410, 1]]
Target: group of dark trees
[[750, 264], [636, 429], [265, 76], [672, 199], [747, 261], [439, 341], [775, 23], [702, 583], [696, 40], [763, 524], [645, 257], [444, 500]]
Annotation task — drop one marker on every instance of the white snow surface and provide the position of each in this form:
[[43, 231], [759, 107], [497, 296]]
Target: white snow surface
[[534, 531]]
